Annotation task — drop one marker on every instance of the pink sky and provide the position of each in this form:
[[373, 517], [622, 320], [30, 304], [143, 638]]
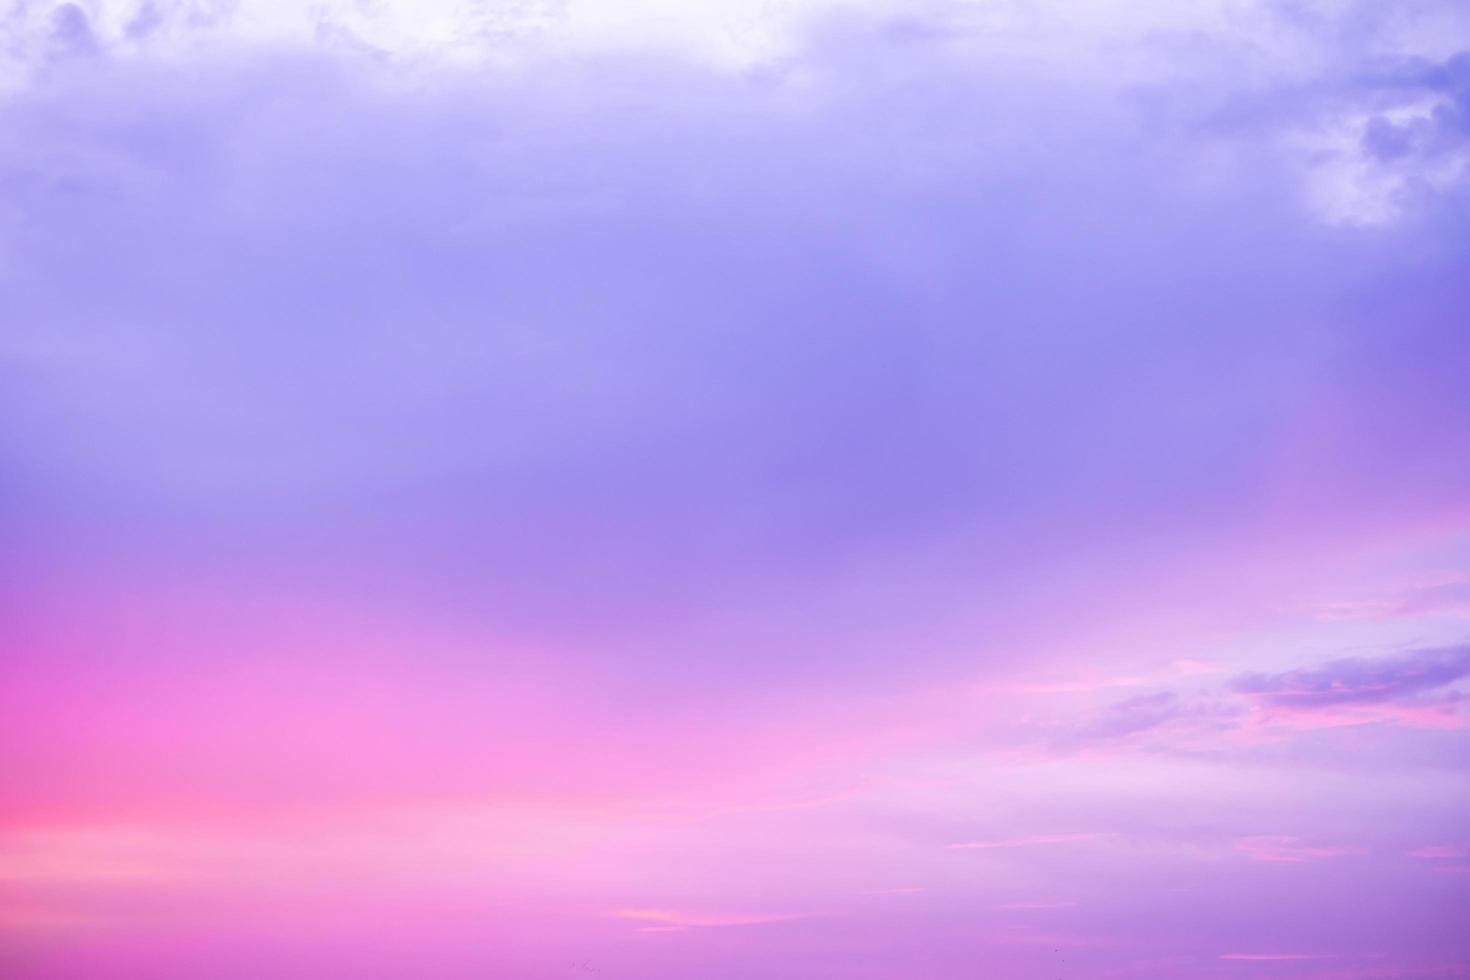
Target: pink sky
[[834, 491]]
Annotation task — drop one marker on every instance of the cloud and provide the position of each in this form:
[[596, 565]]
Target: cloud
[[1133, 715], [1275, 957], [1413, 689], [1285, 849], [582, 346], [1032, 841], [1359, 680], [1441, 126], [901, 890], [1450, 598], [672, 918]]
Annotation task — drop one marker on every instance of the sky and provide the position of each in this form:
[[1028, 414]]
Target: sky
[[715, 490]]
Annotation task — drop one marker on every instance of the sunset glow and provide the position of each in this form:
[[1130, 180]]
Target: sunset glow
[[827, 490]]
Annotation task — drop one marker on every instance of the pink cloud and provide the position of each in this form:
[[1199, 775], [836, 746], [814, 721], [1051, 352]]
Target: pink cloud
[[1184, 666], [1445, 715], [1287, 849], [911, 890], [673, 919], [1075, 686], [1269, 957], [985, 845], [1446, 597]]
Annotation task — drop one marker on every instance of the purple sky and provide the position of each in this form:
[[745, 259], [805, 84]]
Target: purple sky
[[658, 490]]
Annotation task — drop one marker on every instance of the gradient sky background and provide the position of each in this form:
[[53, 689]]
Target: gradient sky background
[[722, 491]]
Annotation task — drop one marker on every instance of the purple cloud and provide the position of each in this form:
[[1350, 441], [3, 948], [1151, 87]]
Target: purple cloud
[[1359, 680], [1409, 690], [1441, 128], [578, 363], [1147, 712]]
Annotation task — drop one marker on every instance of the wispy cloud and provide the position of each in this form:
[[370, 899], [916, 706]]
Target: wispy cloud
[[676, 918], [901, 890], [1031, 841], [1146, 712], [1358, 680], [1292, 850], [1413, 689], [1448, 598], [1270, 957]]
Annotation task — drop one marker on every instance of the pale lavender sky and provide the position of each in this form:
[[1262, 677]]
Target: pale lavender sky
[[661, 490]]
